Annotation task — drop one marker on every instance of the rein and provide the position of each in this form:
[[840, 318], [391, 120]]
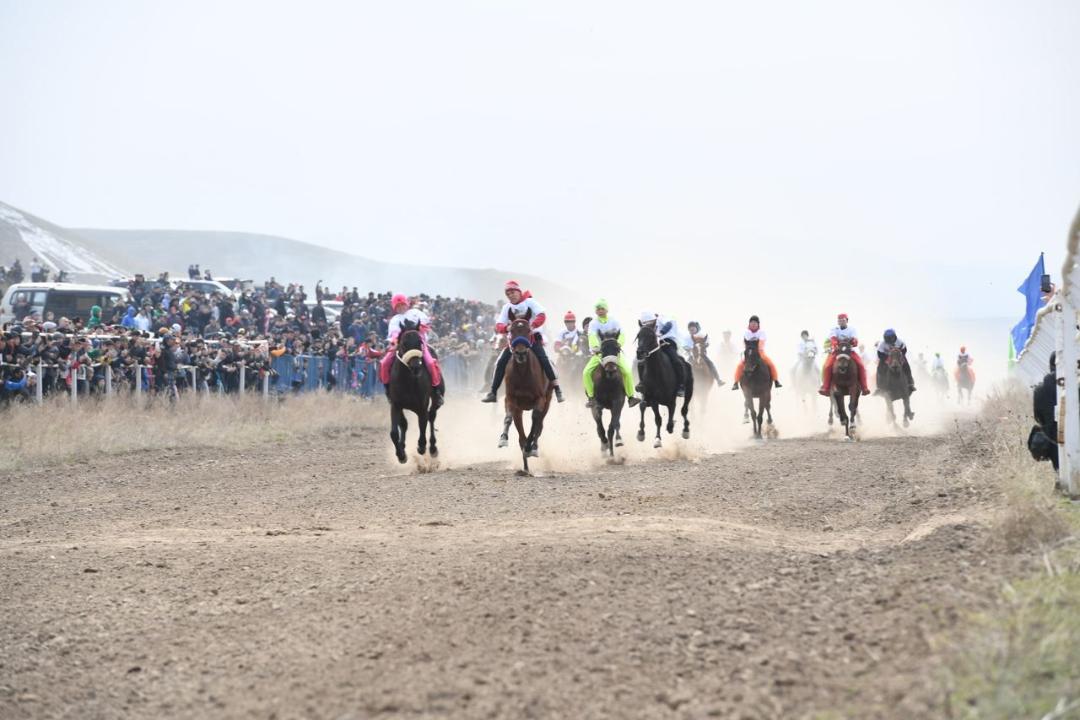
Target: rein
[[409, 355]]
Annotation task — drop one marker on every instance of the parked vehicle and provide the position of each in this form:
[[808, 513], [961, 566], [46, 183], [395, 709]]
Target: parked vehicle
[[62, 299]]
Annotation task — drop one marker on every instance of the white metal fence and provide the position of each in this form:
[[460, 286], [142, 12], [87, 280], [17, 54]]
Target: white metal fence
[[1056, 331]]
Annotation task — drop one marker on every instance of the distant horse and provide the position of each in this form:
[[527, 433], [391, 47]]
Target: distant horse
[[845, 381], [608, 394], [756, 383], [939, 379], [527, 388], [703, 378], [894, 386], [807, 376], [965, 380], [410, 389], [659, 385], [569, 363]]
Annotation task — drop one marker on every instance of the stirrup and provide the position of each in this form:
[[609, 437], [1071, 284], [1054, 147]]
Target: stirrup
[[633, 400]]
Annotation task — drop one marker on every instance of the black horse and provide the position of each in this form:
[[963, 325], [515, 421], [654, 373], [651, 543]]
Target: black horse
[[894, 385], [659, 385], [756, 383], [608, 394], [410, 389]]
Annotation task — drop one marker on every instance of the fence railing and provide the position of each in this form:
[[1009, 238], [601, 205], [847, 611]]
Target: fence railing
[[282, 375], [1055, 331]]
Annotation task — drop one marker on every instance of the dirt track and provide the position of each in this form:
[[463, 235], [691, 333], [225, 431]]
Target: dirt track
[[310, 582]]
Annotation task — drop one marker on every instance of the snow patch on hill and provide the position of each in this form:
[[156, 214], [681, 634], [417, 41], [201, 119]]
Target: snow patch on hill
[[54, 251]]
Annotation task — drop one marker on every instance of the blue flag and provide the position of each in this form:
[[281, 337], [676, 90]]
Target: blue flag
[[1031, 289]]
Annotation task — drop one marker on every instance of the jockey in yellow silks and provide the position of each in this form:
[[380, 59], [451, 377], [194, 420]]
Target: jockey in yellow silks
[[607, 326]]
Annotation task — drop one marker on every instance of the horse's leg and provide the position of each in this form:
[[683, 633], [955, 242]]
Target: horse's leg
[[421, 427], [758, 426], [431, 423], [613, 428], [394, 431], [671, 417], [598, 418], [519, 424], [853, 423], [537, 427], [504, 439], [401, 425], [659, 421], [641, 427]]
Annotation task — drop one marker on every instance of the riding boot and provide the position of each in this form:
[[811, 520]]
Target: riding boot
[[558, 394], [776, 384], [438, 394], [735, 385], [590, 403], [633, 400]]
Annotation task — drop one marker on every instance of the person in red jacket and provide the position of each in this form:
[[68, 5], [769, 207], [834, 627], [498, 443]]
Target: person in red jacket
[[519, 303], [846, 334]]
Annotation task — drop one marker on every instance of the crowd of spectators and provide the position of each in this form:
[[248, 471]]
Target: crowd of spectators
[[171, 334]]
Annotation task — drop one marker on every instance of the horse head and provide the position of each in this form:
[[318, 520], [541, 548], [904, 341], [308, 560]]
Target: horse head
[[647, 343], [520, 333], [609, 354], [843, 360], [410, 346], [751, 357], [895, 360]]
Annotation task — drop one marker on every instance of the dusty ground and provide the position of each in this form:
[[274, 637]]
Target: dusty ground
[[318, 581]]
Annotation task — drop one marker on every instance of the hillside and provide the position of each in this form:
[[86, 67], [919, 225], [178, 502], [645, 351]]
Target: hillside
[[97, 255]]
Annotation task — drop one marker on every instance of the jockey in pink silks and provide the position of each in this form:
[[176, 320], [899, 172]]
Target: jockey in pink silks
[[404, 311]]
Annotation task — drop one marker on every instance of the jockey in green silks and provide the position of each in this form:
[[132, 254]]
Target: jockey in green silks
[[607, 326]]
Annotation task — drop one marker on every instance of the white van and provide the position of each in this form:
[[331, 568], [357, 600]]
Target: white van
[[62, 299]]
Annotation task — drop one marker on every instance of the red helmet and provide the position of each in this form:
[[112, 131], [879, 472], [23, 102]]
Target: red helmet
[[963, 348], [398, 299], [512, 285], [569, 316], [842, 316]]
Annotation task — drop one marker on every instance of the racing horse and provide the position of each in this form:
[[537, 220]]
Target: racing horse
[[894, 386], [410, 389], [756, 384], [527, 388], [965, 380], [703, 378], [659, 386], [806, 376], [845, 381], [608, 393]]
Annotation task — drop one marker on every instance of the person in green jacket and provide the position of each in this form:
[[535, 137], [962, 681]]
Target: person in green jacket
[[95, 318], [603, 324]]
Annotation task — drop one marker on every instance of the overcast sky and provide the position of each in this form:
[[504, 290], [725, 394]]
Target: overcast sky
[[572, 138]]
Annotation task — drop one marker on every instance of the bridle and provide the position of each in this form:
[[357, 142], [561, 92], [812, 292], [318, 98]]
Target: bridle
[[409, 355]]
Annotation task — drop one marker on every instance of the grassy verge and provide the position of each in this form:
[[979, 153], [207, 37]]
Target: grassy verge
[[1021, 658], [57, 433]]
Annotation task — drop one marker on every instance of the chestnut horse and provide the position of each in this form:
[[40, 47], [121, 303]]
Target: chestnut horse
[[845, 381], [527, 388]]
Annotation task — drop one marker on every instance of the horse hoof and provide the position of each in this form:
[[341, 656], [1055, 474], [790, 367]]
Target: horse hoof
[[401, 458], [603, 447], [618, 442], [641, 437], [523, 473], [503, 441], [746, 421], [657, 443], [434, 451], [421, 450], [685, 434], [533, 453], [906, 422]]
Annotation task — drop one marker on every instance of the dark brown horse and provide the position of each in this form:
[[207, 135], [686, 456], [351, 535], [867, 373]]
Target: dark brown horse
[[894, 386], [756, 383], [410, 389], [527, 388], [845, 381]]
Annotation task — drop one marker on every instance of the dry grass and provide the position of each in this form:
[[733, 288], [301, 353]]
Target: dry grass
[[57, 433], [1022, 657]]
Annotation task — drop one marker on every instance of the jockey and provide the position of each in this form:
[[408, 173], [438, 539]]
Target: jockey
[[807, 346], [842, 333], [667, 334], [583, 337], [964, 360], [609, 327], [404, 312], [937, 363], [519, 303], [569, 337], [888, 342], [700, 339], [754, 333]]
